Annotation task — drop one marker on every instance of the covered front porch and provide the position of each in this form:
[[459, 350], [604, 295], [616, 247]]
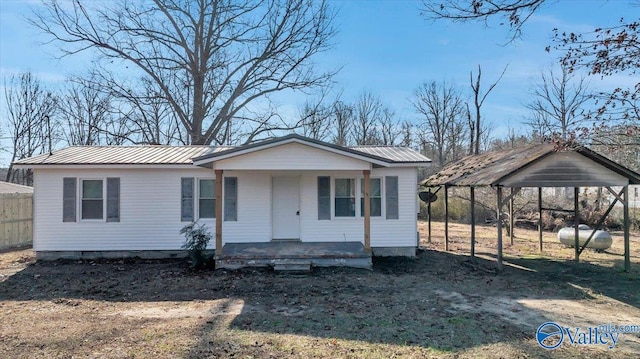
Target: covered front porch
[[294, 255]]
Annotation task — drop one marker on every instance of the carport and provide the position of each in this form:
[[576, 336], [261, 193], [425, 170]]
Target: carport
[[537, 166]]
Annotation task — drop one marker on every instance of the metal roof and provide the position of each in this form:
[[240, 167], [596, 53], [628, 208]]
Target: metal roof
[[7, 187], [393, 153], [122, 155], [160, 154], [488, 169], [380, 154]]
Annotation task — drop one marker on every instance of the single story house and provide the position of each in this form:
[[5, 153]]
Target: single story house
[[118, 201]]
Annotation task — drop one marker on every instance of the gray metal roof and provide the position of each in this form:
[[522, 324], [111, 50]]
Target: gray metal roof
[[488, 169], [384, 154], [103, 155], [393, 153], [158, 154], [6, 187]]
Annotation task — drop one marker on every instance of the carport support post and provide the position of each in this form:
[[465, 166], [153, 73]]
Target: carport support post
[[218, 212], [473, 222], [627, 260], [540, 217], [446, 218], [429, 220], [576, 214], [367, 211], [499, 225], [511, 221]]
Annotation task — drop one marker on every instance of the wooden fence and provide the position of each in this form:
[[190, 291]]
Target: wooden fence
[[16, 220]]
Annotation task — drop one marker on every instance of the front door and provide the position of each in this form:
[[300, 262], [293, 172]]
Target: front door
[[286, 207]]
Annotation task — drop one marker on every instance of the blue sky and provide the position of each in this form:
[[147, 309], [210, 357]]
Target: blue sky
[[384, 47]]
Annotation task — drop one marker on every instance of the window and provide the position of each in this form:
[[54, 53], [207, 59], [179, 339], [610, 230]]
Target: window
[[391, 197], [113, 199], [324, 198], [207, 198], [186, 199], [345, 197], [92, 199], [375, 195], [69, 199], [230, 199]]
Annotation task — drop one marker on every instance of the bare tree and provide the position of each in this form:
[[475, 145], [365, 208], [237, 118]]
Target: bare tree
[[603, 51], [315, 119], [441, 110], [342, 114], [208, 59], [30, 111], [87, 115], [368, 112], [389, 130], [476, 127], [607, 51], [406, 134], [557, 103], [515, 12]]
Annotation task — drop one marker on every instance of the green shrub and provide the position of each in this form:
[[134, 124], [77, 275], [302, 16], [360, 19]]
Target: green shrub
[[197, 238]]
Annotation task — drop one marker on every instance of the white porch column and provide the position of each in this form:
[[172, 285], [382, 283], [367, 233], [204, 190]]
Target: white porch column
[[367, 210], [218, 212]]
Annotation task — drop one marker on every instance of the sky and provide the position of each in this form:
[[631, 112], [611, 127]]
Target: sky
[[385, 47]]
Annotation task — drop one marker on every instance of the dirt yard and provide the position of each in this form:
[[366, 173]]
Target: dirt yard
[[439, 304]]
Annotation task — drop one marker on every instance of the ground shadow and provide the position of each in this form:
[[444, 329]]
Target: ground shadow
[[402, 302]]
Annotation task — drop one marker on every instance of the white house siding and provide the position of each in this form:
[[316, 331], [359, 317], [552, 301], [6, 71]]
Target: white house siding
[[150, 210], [291, 156], [384, 232]]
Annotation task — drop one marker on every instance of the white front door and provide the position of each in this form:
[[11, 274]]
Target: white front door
[[285, 206]]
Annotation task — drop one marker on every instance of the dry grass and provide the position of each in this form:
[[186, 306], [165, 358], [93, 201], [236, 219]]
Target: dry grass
[[526, 245], [436, 305]]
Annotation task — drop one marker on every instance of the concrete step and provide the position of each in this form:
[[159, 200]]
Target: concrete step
[[291, 266]]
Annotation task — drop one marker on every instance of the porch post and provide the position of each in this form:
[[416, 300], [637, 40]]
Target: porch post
[[218, 212], [367, 211]]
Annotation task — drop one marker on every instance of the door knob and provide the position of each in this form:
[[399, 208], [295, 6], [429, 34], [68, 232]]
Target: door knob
[[298, 213]]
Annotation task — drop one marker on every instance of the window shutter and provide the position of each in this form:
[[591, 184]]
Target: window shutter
[[324, 198], [186, 207], [113, 199], [391, 196], [69, 199], [230, 198]]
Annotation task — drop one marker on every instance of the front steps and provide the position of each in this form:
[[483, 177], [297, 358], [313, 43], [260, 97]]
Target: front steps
[[294, 256]]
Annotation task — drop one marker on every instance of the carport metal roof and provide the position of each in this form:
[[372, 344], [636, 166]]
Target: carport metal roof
[[502, 168]]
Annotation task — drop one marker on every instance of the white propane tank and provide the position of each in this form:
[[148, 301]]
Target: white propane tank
[[601, 240]]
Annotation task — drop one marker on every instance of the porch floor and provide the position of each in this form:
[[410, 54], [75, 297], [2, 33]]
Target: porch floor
[[269, 254]]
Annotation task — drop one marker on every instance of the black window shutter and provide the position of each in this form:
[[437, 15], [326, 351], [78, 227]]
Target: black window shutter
[[69, 199], [113, 199], [391, 194], [324, 198], [230, 198], [186, 206]]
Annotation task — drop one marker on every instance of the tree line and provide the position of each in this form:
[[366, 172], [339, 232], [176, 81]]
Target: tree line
[[202, 72]]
